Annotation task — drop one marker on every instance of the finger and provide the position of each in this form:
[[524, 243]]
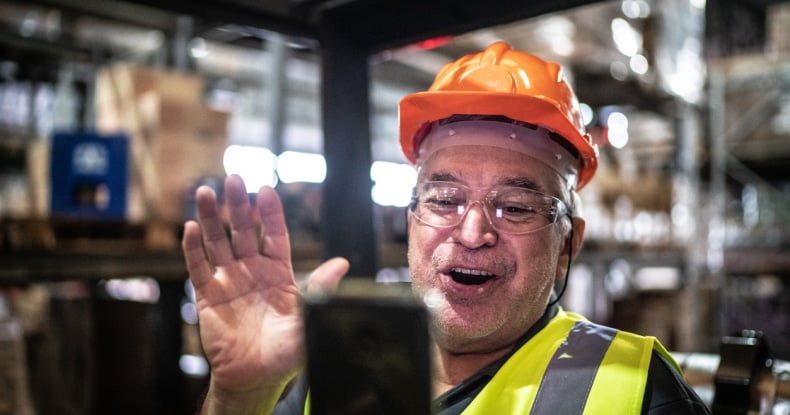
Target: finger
[[244, 240], [274, 235], [326, 278], [192, 245], [215, 240]]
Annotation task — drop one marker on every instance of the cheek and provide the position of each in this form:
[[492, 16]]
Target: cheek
[[424, 243], [536, 280], [420, 250], [537, 262], [529, 291], [540, 255]]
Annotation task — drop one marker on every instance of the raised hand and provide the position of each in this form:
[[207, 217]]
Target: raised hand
[[248, 301]]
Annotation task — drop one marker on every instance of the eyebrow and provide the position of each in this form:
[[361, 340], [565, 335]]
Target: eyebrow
[[520, 182], [515, 181], [442, 177]]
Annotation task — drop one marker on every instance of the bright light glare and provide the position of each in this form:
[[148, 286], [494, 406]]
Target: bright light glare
[[189, 312], [657, 278], [563, 46], [627, 40], [198, 48], [680, 215], [699, 4], [618, 137], [293, 166], [635, 9], [587, 113], [617, 129], [639, 64], [193, 365], [557, 32], [617, 118], [143, 290], [689, 77], [393, 183], [254, 164]]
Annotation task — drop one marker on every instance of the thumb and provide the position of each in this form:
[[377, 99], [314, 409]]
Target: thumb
[[326, 278]]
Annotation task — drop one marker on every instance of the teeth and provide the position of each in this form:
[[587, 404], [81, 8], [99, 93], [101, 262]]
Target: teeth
[[472, 272], [469, 276]]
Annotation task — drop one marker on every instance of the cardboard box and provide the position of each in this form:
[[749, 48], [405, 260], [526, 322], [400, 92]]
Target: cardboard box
[[175, 140]]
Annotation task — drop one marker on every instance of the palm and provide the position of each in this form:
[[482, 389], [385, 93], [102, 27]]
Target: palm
[[251, 328], [247, 298]]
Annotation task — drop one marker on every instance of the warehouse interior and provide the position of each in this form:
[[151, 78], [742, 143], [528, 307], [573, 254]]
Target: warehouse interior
[[113, 112]]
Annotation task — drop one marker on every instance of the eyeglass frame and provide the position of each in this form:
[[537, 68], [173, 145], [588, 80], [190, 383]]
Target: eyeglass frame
[[560, 208]]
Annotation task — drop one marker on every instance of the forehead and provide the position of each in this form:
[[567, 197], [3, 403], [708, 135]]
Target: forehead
[[486, 166]]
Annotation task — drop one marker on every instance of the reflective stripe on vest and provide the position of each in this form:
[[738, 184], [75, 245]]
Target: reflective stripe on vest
[[570, 374], [610, 379]]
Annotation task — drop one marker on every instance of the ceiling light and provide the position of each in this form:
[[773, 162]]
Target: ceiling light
[[294, 166], [393, 183], [627, 39], [255, 165]]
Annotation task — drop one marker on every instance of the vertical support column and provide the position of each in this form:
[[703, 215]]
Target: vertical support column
[[89, 114], [347, 220], [276, 85], [717, 190], [686, 204], [180, 45], [168, 345]]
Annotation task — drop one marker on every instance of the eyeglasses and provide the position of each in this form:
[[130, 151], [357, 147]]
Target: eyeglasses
[[509, 209]]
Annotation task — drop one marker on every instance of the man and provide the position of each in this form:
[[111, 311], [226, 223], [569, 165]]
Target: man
[[500, 150]]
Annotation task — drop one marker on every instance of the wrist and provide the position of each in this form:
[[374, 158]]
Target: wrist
[[259, 401]]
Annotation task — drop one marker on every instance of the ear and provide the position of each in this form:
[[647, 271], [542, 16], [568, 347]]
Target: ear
[[578, 237], [572, 246]]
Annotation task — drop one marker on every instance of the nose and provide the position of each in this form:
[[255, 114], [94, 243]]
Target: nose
[[476, 228]]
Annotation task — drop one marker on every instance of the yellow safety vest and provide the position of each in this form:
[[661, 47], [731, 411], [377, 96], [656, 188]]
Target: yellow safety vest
[[571, 366]]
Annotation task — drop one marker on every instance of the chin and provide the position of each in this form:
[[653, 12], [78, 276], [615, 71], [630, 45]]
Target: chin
[[453, 331]]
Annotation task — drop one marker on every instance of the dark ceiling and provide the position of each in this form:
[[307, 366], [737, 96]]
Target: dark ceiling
[[371, 25]]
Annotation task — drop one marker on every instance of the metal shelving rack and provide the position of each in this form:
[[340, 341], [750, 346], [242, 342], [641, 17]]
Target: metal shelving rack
[[748, 241]]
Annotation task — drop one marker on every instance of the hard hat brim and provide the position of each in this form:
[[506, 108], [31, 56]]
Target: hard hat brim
[[424, 107]]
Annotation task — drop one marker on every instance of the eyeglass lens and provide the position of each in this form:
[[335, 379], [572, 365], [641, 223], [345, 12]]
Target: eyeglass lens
[[510, 209]]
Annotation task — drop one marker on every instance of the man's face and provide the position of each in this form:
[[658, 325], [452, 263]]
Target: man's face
[[518, 270]]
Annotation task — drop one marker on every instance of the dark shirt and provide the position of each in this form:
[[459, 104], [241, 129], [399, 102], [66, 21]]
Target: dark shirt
[[666, 391]]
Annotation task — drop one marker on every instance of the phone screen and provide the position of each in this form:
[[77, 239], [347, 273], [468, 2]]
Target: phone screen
[[368, 355]]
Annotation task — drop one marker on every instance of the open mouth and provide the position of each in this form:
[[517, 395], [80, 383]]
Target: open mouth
[[470, 276]]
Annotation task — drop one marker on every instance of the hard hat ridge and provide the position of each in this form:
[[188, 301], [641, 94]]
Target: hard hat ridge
[[506, 82]]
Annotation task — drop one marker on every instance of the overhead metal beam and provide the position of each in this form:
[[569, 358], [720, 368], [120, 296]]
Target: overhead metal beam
[[370, 25], [376, 25]]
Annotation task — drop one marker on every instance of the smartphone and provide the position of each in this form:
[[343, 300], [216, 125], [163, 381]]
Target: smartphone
[[368, 353]]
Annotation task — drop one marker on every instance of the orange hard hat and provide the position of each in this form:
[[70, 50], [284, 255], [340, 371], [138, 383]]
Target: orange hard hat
[[504, 82]]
